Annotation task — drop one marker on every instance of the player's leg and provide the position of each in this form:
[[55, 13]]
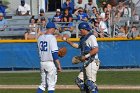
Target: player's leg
[[51, 78], [91, 72], [80, 82], [91, 86], [42, 87]]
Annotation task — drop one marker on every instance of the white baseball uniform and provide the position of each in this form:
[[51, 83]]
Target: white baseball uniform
[[47, 45], [92, 67]]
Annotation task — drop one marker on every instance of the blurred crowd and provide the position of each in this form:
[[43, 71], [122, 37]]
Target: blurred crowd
[[101, 18]]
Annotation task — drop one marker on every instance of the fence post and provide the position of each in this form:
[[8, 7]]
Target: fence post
[[77, 31], [114, 26]]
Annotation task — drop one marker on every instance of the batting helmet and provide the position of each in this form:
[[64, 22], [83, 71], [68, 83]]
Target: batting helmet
[[50, 25], [84, 25]]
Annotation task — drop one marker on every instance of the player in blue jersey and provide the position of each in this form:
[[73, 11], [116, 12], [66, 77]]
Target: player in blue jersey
[[86, 79], [50, 64]]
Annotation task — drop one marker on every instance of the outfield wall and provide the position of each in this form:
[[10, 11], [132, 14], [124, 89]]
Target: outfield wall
[[113, 52]]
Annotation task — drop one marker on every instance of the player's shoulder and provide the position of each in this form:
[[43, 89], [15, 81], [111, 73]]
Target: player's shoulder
[[92, 37], [40, 37], [50, 36]]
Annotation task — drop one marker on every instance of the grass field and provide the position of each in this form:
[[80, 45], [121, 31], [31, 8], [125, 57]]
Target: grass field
[[67, 78]]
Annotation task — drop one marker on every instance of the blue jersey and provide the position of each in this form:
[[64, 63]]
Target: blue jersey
[[83, 15], [57, 18], [47, 45]]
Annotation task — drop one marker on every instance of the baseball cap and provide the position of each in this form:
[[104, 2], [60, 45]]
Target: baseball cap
[[58, 10], [84, 25], [50, 25], [43, 19], [41, 10]]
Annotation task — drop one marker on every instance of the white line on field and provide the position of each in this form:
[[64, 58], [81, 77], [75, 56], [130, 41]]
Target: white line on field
[[113, 87]]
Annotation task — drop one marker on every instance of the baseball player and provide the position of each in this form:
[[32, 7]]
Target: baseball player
[[48, 51], [89, 56]]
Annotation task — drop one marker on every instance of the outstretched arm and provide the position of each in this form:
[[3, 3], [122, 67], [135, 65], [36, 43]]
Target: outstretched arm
[[71, 43]]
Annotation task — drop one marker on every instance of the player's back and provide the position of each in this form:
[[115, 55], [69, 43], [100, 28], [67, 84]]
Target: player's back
[[47, 44]]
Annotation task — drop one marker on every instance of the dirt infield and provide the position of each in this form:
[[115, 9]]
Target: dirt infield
[[112, 87]]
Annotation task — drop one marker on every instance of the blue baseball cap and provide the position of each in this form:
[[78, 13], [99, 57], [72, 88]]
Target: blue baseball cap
[[84, 25], [50, 25]]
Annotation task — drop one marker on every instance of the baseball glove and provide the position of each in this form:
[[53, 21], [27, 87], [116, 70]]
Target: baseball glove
[[62, 51], [76, 59]]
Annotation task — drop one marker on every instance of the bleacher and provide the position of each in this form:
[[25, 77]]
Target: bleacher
[[127, 21], [17, 26]]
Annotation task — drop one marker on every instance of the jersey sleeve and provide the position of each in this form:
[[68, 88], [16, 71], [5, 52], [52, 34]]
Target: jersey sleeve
[[93, 41], [54, 48], [53, 45]]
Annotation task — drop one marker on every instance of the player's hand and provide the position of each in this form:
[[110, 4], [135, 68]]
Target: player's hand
[[59, 69], [64, 38], [83, 58]]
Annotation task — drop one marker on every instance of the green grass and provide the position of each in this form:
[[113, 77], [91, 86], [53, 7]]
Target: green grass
[[19, 78], [67, 78], [70, 91], [119, 78]]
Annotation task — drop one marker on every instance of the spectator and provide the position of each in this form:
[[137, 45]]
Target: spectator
[[57, 17], [81, 15], [88, 7], [2, 8], [94, 13], [104, 12], [23, 9], [66, 30], [42, 26], [107, 18], [67, 17], [122, 32], [102, 5], [109, 7], [126, 11], [103, 27], [97, 15], [31, 33], [3, 23], [42, 14], [96, 31], [120, 9], [133, 33], [79, 4], [68, 4]]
